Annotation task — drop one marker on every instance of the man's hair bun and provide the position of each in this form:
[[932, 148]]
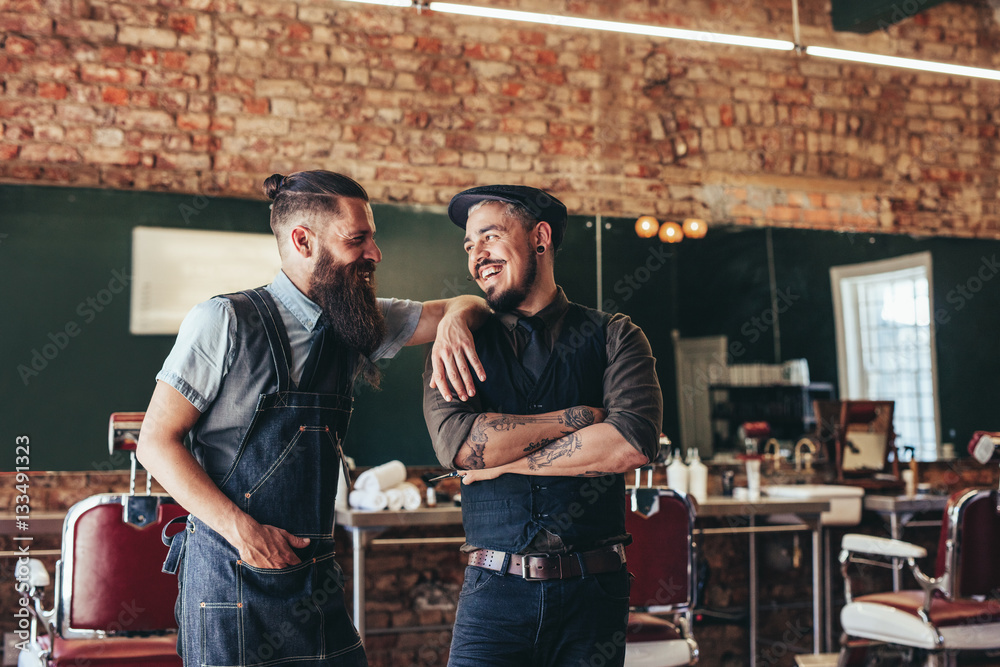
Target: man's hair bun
[[272, 186]]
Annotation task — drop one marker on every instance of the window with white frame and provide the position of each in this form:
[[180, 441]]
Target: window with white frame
[[885, 343]]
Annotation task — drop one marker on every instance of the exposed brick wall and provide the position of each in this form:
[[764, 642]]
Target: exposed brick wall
[[214, 95]]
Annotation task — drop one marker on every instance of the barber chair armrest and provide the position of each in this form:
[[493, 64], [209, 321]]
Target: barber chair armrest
[[881, 546], [32, 581], [930, 586], [38, 576], [857, 548]]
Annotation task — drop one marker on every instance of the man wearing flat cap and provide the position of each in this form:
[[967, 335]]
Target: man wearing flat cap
[[543, 444]]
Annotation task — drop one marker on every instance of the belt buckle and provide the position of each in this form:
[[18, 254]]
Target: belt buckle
[[526, 566]]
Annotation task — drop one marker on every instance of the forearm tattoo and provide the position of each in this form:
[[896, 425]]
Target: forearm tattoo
[[574, 418], [566, 446], [535, 446], [477, 445], [480, 434], [577, 417]]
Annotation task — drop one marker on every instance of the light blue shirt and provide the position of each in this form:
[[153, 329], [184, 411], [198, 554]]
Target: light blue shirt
[[205, 345]]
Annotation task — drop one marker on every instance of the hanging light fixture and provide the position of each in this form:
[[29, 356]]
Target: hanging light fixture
[[671, 232], [695, 228], [646, 226]]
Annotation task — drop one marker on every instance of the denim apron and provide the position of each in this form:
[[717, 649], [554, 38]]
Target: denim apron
[[284, 474]]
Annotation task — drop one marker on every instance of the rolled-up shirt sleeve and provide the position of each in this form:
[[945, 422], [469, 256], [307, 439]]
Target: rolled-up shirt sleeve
[[632, 395], [202, 352], [448, 422], [401, 319]]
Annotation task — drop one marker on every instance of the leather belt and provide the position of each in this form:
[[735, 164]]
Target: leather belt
[[537, 567]]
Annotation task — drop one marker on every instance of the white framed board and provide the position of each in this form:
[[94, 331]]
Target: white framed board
[[174, 269]]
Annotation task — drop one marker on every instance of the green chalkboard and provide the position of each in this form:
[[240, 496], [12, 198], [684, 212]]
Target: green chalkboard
[[68, 360]]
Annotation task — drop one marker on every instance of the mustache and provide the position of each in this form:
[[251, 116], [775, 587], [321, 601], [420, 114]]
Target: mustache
[[485, 262], [363, 266]]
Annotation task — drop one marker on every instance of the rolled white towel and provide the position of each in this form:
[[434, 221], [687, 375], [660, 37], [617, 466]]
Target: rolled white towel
[[411, 496], [368, 500], [381, 478], [395, 497]]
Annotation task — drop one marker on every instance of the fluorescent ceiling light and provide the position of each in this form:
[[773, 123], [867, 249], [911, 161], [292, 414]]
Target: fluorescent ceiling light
[[389, 3], [694, 35], [908, 63], [611, 26]]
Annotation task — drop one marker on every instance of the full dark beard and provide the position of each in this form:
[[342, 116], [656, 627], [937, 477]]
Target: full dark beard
[[513, 297], [349, 306]]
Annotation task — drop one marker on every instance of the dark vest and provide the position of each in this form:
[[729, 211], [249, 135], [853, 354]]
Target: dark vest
[[508, 512]]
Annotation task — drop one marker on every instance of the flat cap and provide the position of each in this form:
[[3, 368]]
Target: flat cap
[[538, 203]]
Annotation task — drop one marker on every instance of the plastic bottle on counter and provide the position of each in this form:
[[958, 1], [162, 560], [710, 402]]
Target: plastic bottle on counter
[[697, 476], [677, 473]]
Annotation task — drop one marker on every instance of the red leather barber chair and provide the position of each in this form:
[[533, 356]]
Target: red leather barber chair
[[111, 603], [956, 610], [661, 558]]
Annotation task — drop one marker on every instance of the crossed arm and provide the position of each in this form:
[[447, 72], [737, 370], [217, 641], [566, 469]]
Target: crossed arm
[[593, 450], [579, 441], [498, 439], [570, 442]]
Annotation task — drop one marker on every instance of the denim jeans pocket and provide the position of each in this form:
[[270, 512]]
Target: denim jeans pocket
[[476, 579], [613, 585]]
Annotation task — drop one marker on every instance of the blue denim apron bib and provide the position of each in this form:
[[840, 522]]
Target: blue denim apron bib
[[284, 474]]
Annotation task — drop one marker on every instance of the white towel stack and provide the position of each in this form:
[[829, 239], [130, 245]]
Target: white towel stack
[[368, 500], [385, 487]]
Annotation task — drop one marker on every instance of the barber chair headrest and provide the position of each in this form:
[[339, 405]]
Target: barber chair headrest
[[862, 412], [985, 446], [123, 431]]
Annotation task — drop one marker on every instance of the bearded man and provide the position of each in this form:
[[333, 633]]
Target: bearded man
[[261, 383], [571, 403]]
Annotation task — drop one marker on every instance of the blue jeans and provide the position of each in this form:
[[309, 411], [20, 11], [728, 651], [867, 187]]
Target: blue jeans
[[504, 620]]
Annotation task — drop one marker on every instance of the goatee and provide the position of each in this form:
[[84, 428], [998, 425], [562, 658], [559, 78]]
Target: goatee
[[511, 298], [346, 294]]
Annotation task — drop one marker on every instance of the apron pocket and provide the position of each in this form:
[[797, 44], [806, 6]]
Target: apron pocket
[[296, 612], [299, 489], [220, 623]]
